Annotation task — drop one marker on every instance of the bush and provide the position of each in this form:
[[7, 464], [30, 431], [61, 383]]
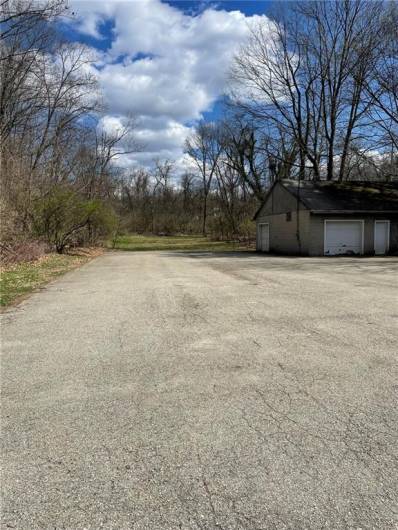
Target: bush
[[65, 218]]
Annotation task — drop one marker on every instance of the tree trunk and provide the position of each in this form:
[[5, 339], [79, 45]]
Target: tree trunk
[[204, 216], [330, 165]]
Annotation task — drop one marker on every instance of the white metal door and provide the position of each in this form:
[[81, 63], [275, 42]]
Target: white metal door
[[382, 236], [343, 237], [263, 237]]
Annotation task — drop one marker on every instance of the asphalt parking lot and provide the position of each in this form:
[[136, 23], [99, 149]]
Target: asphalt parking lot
[[204, 391]]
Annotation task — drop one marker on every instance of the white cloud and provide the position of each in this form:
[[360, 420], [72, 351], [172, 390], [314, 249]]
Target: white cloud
[[174, 65]]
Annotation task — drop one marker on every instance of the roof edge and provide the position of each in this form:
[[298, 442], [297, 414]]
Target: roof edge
[[296, 194], [320, 212], [264, 200]]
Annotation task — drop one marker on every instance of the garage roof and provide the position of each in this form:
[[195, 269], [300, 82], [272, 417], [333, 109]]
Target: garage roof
[[322, 196]]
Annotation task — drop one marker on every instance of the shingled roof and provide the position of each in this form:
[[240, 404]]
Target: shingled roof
[[326, 196]]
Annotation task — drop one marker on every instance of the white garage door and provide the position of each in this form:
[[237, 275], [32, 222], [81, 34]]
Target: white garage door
[[382, 236], [263, 237], [343, 237]]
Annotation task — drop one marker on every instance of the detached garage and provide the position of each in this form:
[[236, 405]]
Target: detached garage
[[329, 218]]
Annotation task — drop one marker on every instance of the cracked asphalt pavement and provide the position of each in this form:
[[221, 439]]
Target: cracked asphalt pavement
[[203, 391]]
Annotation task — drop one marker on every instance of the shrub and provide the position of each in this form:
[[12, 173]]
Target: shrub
[[65, 218]]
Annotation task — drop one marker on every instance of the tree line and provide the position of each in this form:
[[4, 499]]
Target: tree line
[[57, 180], [312, 94], [159, 202]]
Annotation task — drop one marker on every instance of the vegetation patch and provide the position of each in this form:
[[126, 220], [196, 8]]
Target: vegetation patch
[[18, 280], [182, 243]]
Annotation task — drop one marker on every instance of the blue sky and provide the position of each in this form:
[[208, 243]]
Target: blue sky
[[164, 63]]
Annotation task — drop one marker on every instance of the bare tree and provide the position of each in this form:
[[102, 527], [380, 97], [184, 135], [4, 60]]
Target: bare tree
[[277, 92], [243, 155], [20, 16], [304, 76], [382, 85], [26, 35], [204, 148]]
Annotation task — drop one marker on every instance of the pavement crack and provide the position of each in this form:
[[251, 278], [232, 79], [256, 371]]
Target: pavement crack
[[209, 494]]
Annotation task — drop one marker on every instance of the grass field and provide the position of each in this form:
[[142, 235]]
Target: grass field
[[19, 280], [183, 243]]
